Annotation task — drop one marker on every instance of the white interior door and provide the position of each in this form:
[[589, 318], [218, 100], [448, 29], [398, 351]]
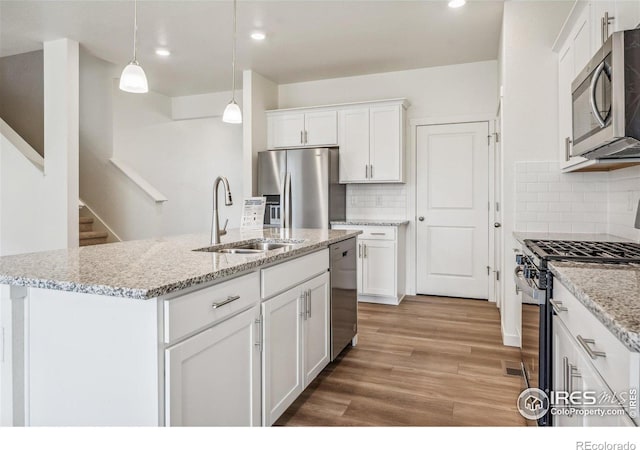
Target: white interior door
[[497, 215], [452, 209]]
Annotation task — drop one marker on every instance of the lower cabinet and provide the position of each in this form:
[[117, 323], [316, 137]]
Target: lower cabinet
[[575, 376], [377, 264], [213, 378], [296, 343]]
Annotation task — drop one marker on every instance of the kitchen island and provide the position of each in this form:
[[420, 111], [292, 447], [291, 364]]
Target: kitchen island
[[167, 331]]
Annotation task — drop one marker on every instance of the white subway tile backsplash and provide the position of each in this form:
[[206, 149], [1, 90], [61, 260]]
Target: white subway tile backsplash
[[563, 202], [376, 201]]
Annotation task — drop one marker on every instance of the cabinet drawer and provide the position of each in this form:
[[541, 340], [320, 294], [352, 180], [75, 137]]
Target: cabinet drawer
[[188, 313], [279, 278], [620, 367], [369, 232]]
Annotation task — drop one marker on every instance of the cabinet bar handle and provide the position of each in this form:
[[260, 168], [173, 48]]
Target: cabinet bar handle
[[371, 170], [303, 308], [306, 137], [231, 298], [567, 148], [259, 343], [365, 250], [309, 300], [301, 140], [378, 234], [366, 171], [565, 373], [557, 306], [359, 250], [586, 344]]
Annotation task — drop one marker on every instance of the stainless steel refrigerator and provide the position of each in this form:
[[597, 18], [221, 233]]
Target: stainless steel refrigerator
[[302, 187]]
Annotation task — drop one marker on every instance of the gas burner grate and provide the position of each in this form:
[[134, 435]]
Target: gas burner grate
[[606, 252]]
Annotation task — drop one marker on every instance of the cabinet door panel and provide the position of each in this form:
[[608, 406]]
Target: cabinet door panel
[[581, 43], [321, 128], [378, 267], [213, 378], [282, 376], [385, 152], [286, 130], [316, 328], [564, 356], [354, 145]]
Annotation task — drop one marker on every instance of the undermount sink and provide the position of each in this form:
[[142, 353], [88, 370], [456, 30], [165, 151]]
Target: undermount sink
[[253, 248]]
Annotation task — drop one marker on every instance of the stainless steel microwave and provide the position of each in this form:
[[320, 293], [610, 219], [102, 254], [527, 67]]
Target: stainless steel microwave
[[606, 101]]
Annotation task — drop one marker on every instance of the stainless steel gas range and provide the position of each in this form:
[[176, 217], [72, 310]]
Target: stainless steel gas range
[[534, 283]]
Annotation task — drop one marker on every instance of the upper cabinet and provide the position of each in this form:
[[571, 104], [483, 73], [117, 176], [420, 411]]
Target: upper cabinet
[[370, 136], [589, 24], [300, 129]]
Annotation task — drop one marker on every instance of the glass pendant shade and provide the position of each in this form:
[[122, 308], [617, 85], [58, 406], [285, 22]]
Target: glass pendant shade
[[133, 79], [232, 113]]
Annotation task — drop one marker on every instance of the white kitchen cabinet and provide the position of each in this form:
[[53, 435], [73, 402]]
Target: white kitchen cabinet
[[316, 327], [296, 333], [614, 369], [380, 269], [302, 129], [213, 378], [354, 144], [377, 265], [282, 380], [296, 339], [371, 143], [621, 15]]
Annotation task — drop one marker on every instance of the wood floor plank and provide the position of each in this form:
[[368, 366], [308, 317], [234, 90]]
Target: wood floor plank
[[430, 361]]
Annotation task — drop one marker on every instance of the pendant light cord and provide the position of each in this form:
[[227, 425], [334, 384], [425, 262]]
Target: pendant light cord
[[233, 58], [135, 30]]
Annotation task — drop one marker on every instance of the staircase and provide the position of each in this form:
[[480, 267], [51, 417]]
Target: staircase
[[88, 236]]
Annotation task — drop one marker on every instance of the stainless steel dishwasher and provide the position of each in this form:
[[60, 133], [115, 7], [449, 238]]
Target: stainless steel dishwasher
[[344, 296]]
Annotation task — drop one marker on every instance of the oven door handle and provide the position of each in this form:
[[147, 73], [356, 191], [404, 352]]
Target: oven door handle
[[531, 291]]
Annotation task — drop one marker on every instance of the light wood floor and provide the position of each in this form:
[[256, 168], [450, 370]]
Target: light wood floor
[[431, 361]]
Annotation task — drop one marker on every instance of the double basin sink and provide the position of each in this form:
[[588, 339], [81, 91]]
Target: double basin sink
[[250, 248]]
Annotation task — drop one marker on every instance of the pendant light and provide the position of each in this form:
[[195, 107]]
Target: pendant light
[[133, 78], [232, 113]]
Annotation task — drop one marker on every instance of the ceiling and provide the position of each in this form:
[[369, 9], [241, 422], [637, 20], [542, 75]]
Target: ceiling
[[306, 39]]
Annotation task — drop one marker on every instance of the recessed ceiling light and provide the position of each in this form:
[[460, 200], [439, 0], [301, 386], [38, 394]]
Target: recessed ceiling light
[[456, 3], [258, 36], [162, 52]]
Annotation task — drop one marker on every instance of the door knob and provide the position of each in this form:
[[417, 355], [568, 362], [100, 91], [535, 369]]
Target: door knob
[[497, 224], [421, 218]]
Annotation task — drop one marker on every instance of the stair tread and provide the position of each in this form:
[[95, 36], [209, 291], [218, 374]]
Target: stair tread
[[93, 234], [86, 220]]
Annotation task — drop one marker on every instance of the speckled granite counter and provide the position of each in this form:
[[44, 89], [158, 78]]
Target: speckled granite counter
[[371, 223], [522, 235], [150, 268], [610, 292]]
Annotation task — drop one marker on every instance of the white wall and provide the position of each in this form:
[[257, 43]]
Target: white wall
[[259, 95], [179, 158], [444, 94], [529, 118], [45, 214]]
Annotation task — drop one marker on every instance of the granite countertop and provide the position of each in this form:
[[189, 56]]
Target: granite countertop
[[521, 236], [374, 223], [610, 292], [151, 268]]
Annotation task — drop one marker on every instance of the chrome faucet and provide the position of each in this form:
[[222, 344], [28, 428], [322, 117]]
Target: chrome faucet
[[216, 232]]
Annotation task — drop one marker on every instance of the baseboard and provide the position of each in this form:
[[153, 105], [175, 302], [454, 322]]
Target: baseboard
[[510, 340], [395, 301]]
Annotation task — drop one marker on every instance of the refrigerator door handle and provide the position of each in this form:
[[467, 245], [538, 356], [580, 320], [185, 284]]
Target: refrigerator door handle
[[286, 200]]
